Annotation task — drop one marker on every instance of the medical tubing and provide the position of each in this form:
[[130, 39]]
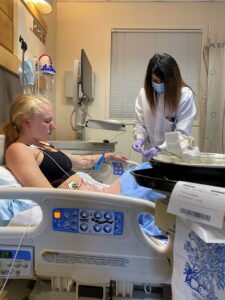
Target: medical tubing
[[59, 165], [117, 136], [45, 55], [132, 162], [17, 250]]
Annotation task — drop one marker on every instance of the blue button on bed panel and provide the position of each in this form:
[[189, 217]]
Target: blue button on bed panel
[[108, 216], [98, 214], [107, 228], [88, 221]]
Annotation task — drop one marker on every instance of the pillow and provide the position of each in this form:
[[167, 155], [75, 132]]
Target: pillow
[[11, 207], [7, 178]]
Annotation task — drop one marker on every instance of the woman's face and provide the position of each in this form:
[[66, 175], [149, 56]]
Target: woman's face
[[155, 79], [42, 124]]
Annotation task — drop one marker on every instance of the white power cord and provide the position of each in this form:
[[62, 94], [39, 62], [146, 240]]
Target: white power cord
[[14, 259]]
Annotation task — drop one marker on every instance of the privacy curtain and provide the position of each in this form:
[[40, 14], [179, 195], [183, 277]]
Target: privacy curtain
[[214, 129]]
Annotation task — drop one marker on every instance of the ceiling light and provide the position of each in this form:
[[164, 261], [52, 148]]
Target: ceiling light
[[44, 6]]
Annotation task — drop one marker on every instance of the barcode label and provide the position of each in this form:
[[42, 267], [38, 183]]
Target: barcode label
[[191, 213], [199, 203]]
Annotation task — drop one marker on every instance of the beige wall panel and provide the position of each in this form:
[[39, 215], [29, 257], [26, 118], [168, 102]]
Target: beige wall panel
[[6, 32], [7, 7], [8, 60]]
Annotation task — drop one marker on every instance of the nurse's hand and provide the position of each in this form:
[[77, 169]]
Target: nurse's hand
[[137, 145], [150, 153]]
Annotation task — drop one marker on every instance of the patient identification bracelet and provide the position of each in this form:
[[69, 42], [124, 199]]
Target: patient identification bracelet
[[99, 162]]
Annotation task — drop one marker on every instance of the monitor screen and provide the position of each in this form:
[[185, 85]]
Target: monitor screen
[[86, 75]]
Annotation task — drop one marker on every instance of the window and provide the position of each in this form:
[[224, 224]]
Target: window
[[130, 54]]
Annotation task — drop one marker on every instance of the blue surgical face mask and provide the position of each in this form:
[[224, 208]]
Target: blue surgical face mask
[[158, 87], [28, 73]]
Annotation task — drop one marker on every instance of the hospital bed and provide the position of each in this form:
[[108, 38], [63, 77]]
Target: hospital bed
[[87, 246], [84, 240]]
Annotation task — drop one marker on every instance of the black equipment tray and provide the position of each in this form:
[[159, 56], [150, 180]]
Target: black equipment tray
[[163, 177]]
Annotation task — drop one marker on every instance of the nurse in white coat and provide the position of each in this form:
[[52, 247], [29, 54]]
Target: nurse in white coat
[[165, 104]]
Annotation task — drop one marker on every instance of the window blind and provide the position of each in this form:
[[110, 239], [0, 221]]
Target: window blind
[[130, 54]]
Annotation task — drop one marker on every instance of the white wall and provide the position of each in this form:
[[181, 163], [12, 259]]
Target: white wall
[[50, 45], [88, 25], [24, 27]]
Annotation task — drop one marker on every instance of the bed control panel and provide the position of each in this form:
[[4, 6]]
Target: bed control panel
[[16, 263], [88, 221]]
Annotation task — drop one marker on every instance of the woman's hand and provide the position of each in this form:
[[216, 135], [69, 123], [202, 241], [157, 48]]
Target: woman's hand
[[115, 157]]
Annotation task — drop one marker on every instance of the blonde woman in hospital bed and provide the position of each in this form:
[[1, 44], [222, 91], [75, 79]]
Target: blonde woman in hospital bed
[[33, 161]]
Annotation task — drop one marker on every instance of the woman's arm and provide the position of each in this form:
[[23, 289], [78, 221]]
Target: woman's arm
[[89, 161], [21, 161]]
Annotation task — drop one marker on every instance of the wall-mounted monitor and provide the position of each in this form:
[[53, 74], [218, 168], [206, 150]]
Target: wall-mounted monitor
[[86, 77]]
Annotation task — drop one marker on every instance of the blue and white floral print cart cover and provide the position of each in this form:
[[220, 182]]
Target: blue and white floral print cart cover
[[199, 262]]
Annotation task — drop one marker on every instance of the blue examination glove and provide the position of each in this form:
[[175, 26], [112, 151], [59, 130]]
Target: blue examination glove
[[137, 145], [150, 153]]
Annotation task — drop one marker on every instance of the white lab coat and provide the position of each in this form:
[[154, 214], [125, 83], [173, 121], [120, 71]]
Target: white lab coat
[[152, 127]]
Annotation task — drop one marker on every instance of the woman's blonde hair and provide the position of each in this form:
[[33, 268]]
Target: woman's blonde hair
[[24, 106]]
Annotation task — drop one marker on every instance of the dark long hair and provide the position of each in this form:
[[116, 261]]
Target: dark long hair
[[167, 70]]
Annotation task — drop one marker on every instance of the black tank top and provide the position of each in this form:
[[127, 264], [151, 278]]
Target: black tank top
[[56, 166]]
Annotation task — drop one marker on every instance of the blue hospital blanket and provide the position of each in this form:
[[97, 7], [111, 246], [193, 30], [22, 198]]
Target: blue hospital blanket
[[130, 187]]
